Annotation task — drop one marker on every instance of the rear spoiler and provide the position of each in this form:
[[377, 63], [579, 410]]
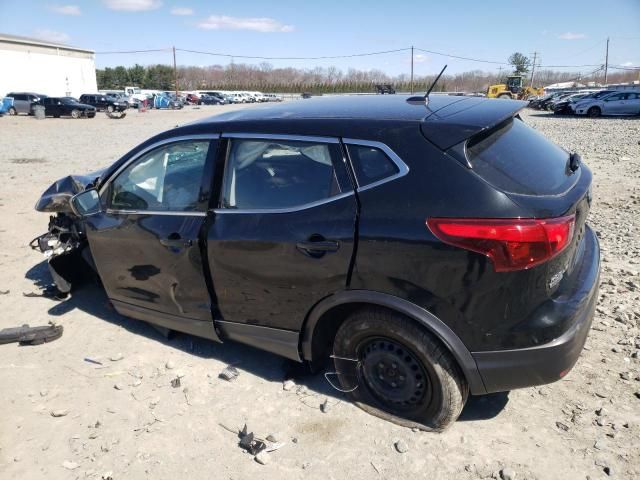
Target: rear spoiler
[[466, 118]]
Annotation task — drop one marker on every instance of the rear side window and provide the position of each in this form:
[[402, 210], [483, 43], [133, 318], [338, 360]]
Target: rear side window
[[272, 174], [371, 164], [517, 159]]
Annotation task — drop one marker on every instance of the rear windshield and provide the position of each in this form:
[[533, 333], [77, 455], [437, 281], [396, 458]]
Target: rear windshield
[[517, 159]]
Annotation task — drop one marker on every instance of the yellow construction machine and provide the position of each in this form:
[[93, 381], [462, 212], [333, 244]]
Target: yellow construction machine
[[513, 89]]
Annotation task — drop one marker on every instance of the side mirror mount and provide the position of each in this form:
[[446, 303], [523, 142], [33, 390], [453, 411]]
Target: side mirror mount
[[86, 203]]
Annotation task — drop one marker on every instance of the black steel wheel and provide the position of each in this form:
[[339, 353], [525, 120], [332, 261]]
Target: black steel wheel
[[394, 368], [393, 373]]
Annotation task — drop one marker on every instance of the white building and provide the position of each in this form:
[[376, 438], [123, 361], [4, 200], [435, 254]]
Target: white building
[[31, 65]]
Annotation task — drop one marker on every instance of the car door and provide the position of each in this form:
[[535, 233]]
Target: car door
[[613, 104], [632, 104], [282, 237], [146, 242]]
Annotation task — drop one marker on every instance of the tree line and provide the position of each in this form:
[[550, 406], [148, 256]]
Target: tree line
[[264, 77]]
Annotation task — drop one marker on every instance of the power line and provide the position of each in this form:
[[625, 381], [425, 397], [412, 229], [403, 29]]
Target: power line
[[353, 55], [327, 57]]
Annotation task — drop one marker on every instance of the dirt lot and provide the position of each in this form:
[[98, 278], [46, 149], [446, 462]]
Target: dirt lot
[[125, 421]]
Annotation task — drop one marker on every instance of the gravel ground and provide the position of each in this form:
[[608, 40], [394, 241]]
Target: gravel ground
[[124, 420]]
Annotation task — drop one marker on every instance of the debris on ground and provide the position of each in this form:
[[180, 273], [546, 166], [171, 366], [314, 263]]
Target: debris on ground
[[325, 406], [59, 413], [262, 458], [401, 446], [288, 385], [91, 360], [118, 386], [117, 357], [507, 474], [169, 365], [70, 465], [26, 335], [230, 373], [249, 442], [5, 292], [175, 383]]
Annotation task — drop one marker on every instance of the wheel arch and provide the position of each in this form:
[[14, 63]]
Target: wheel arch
[[332, 310]]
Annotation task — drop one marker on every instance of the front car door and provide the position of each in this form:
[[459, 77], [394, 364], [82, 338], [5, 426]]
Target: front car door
[[146, 243], [282, 237]]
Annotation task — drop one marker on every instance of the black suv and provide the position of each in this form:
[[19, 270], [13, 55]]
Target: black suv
[[427, 250], [66, 106], [104, 102]]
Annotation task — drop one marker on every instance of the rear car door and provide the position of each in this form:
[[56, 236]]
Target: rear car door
[[614, 104], [282, 236], [146, 241]]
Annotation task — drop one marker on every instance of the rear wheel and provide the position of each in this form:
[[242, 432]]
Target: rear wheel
[[594, 112], [400, 371], [12, 111]]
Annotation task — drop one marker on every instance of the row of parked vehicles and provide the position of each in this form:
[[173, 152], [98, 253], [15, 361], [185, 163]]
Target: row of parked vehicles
[[592, 103], [118, 101]]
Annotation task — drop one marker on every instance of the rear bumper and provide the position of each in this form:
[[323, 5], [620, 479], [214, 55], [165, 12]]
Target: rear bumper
[[509, 369]]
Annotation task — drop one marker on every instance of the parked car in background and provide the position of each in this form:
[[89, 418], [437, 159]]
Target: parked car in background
[[563, 106], [104, 102], [192, 99], [428, 251], [23, 102], [210, 100], [272, 97], [616, 103], [66, 106]]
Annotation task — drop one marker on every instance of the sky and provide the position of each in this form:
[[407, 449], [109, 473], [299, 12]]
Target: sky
[[566, 32]]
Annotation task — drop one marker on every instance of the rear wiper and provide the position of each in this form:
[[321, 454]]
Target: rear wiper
[[574, 161]]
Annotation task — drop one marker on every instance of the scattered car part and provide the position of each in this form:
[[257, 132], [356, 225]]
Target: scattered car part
[[26, 335]]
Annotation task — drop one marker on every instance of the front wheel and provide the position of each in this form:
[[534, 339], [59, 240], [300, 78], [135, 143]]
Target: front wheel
[[504, 96], [398, 371], [594, 112], [75, 113], [110, 109]]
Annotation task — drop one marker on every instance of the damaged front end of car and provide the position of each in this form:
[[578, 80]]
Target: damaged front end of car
[[65, 245]]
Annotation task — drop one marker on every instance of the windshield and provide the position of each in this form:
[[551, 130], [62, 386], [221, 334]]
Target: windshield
[[69, 101]]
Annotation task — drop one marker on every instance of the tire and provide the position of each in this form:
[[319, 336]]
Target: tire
[[110, 109], [403, 373], [13, 111], [504, 96], [594, 112], [75, 113]]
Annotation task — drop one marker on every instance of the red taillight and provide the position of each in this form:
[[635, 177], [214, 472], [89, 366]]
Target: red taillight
[[512, 244]]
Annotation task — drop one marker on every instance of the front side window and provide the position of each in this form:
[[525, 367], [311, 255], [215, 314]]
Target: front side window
[[268, 174], [371, 164], [168, 178]]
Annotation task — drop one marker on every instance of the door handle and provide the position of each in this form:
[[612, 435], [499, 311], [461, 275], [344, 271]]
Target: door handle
[[317, 248], [174, 240]]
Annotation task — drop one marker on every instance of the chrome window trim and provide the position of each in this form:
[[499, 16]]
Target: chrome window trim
[[284, 210], [403, 169], [277, 136], [182, 138], [174, 213]]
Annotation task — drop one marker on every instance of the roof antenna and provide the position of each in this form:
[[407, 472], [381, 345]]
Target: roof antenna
[[425, 100]]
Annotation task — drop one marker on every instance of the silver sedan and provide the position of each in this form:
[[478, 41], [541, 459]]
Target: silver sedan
[[617, 103]]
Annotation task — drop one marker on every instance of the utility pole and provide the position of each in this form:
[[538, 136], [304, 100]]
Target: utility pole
[[533, 68], [606, 62], [175, 72], [412, 69]]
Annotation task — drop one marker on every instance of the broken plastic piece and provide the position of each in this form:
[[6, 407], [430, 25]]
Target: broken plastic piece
[[27, 335], [230, 373]]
